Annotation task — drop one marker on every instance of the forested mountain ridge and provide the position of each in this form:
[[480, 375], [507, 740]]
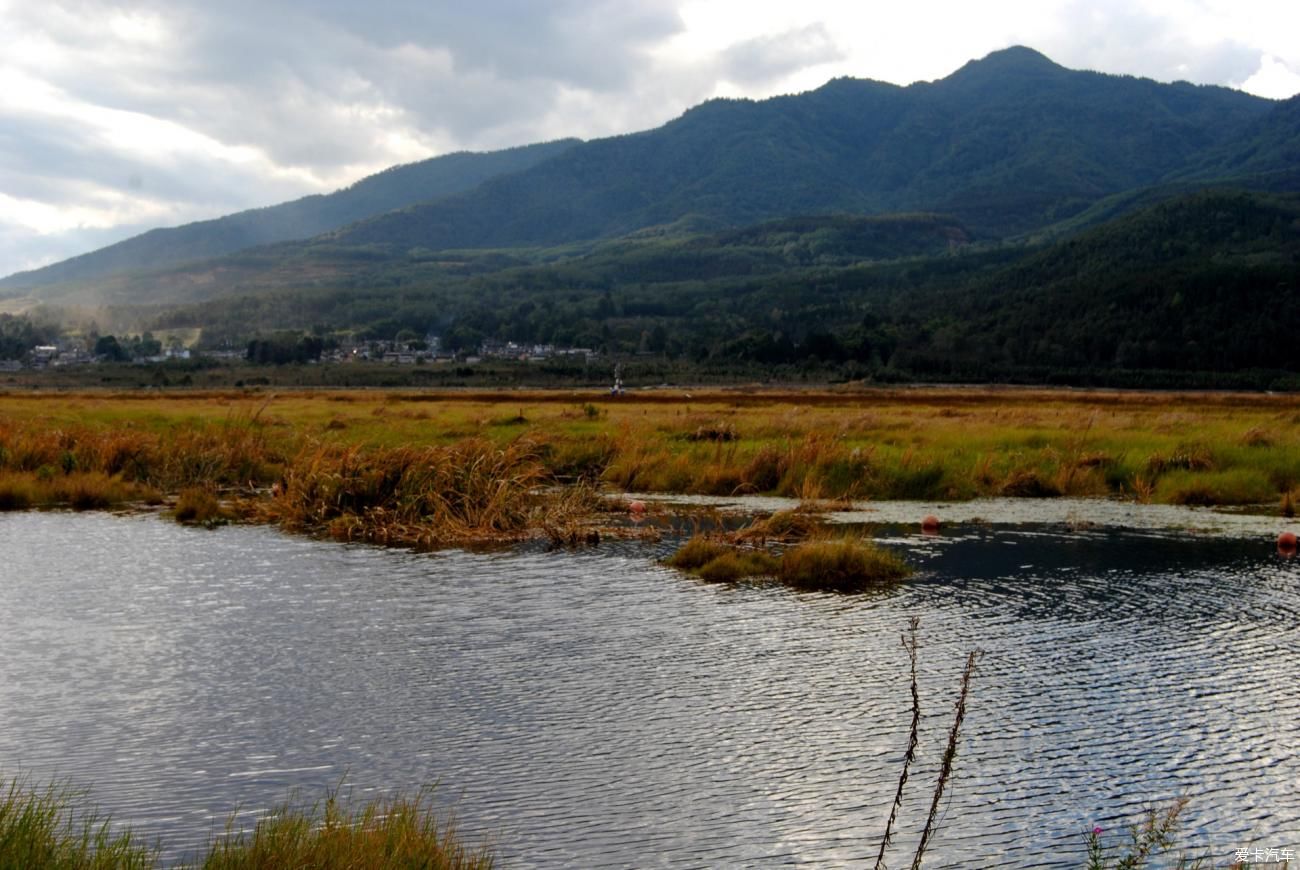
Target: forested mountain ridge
[[1005, 144], [1014, 221], [302, 218]]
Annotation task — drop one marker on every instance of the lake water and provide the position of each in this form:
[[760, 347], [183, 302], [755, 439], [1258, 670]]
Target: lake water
[[594, 709]]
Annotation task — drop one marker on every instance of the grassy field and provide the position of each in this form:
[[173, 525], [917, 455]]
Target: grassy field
[[1183, 448]]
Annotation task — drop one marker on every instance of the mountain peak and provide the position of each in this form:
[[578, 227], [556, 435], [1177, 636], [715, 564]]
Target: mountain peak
[[1017, 59]]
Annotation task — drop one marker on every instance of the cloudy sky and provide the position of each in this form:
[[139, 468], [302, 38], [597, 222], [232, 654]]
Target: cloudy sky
[[116, 117]]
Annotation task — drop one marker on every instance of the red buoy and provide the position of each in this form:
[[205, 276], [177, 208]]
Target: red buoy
[[930, 524], [1286, 544], [636, 508]]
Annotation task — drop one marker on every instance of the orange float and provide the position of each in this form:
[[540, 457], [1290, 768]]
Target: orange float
[[930, 524], [1286, 543]]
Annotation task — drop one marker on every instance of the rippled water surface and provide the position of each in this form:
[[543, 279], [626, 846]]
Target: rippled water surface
[[593, 709]]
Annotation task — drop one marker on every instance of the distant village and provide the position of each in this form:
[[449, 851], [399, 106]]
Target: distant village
[[77, 351]]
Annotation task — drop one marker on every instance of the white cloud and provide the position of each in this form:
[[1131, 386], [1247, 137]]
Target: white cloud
[[1273, 79]]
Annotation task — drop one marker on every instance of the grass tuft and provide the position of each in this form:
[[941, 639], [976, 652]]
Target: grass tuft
[[47, 828], [783, 526], [737, 564], [43, 827], [696, 553], [197, 506], [840, 565], [391, 832]]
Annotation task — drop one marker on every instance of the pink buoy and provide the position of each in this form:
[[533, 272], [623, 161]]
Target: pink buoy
[[1286, 544], [636, 508], [930, 524]]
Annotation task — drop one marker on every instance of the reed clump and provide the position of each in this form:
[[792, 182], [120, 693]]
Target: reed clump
[[719, 562], [188, 454], [822, 564], [469, 491], [1030, 483]]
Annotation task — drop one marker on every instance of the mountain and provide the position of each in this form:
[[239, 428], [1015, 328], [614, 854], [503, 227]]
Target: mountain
[[1009, 147], [1005, 144], [300, 219]]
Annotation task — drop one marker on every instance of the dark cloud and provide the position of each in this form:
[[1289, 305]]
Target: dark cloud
[[55, 161]]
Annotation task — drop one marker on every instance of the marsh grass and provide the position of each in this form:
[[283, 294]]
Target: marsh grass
[[785, 526], [197, 506], [469, 491], [50, 828], [840, 564], [388, 833], [81, 491], [369, 480], [697, 552], [823, 563], [17, 492]]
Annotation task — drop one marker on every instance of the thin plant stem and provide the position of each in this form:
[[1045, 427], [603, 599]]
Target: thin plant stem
[[949, 754], [909, 644]]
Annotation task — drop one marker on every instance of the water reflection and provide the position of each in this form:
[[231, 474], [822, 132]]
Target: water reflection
[[593, 709]]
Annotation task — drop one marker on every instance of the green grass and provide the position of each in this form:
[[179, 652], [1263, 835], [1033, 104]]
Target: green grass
[[51, 829], [823, 563], [47, 828], [387, 833], [843, 564], [860, 444]]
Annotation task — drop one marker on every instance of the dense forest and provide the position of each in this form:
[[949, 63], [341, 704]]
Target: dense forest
[[1191, 287]]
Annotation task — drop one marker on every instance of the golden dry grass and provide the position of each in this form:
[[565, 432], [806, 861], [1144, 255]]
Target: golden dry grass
[[370, 457]]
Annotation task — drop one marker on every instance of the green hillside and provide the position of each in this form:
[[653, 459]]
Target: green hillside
[[1204, 289]]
